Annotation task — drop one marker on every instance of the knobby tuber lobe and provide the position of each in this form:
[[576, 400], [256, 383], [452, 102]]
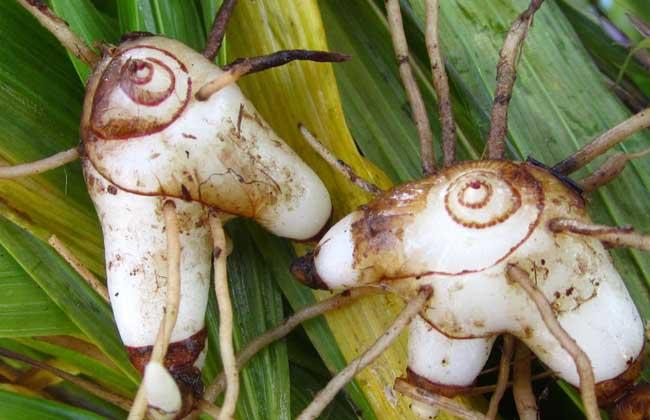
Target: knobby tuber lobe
[[147, 139], [457, 232]]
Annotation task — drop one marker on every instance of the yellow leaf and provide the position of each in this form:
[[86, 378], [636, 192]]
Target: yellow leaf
[[307, 93]]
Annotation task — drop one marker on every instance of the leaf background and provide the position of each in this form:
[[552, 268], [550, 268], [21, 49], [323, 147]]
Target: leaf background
[[357, 109]]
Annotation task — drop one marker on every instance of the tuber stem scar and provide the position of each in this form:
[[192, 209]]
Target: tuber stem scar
[[611, 236], [243, 66], [225, 319], [282, 330], [506, 76], [39, 166], [504, 373], [119, 401], [85, 274], [436, 400], [218, 31], [338, 164], [326, 395], [418, 109], [522, 387], [440, 82], [583, 365], [61, 30], [604, 142], [170, 312]]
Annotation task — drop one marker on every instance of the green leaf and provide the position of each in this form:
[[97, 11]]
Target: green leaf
[[70, 292], [25, 310], [176, 19], [277, 255], [87, 22], [78, 397], [16, 406], [210, 9], [257, 304], [99, 371], [41, 105], [609, 55], [642, 45], [304, 385], [373, 98], [16, 347], [618, 10]]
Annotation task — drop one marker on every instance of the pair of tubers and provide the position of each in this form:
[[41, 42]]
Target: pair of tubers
[[146, 139]]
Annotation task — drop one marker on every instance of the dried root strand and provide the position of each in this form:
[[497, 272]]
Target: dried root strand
[[522, 387], [440, 82], [225, 319], [218, 31], [487, 389], [282, 330], [506, 76], [173, 283], [609, 170], [612, 236], [39, 166], [243, 66], [396, 27], [91, 387], [326, 395], [61, 30], [85, 274], [206, 407], [604, 142], [504, 373], [338, 164], [581, 360], [436, 400], [172, 303]]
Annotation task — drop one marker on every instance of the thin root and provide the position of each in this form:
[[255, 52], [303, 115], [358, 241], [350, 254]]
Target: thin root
[[583, 365], [613, 237], [604, 142], [172, 303], [288, 325], [209, 409], [243, 66], [427, 156], [61, 30], [218, 31], [436, 400], [504, 373], [338, 164], [225, 319], [440, 82], [326, 395], [85, 274], [522, 388], [39, 166], [609, 170], [506, 76], [94, 389], [488, 389]]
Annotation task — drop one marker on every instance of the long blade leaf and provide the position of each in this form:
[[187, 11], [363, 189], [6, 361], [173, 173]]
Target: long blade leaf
[[71, 293], [25, 310]]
